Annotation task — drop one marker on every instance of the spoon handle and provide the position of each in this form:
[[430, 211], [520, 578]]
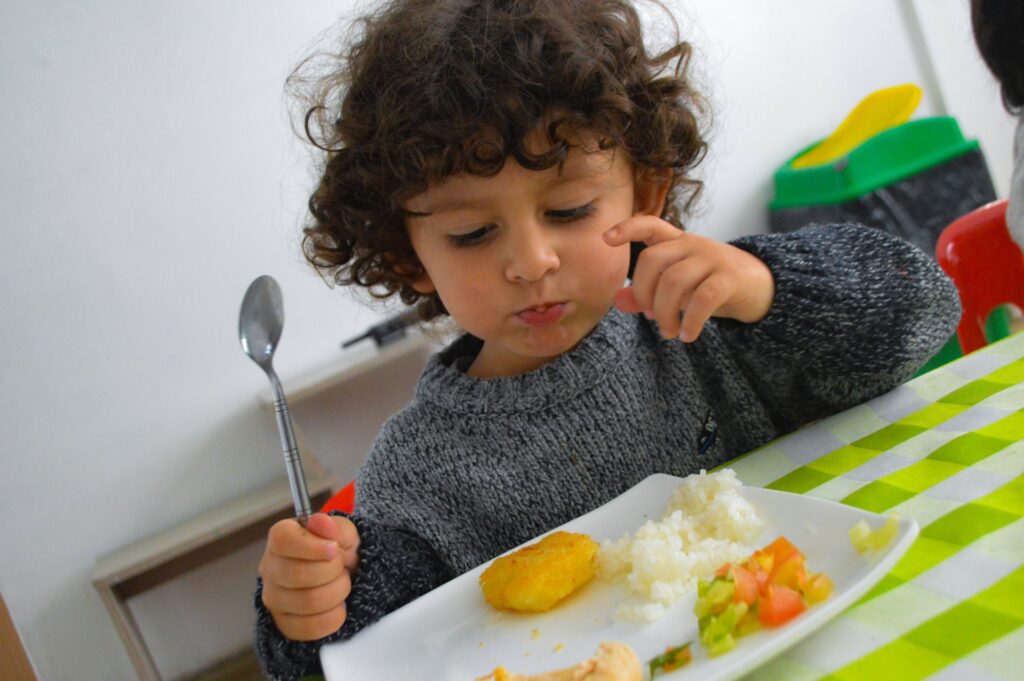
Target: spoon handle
[[292, 460]]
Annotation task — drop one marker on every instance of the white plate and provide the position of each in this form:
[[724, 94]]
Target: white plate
[[452, 634]]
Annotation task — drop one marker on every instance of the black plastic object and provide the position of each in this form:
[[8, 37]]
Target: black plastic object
[[388, 331], [916, 208]]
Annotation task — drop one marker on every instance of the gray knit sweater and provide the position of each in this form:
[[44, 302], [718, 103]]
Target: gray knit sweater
[[472, 467]]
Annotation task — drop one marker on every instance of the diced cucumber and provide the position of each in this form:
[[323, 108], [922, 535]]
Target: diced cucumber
[[865, 539], [721, 645], [718, 593]]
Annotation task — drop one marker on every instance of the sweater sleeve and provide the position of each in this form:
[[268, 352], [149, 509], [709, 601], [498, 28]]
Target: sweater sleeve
[[856, 313], [395, 567]]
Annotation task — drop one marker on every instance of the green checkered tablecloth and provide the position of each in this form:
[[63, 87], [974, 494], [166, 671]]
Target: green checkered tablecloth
[[946, 449]]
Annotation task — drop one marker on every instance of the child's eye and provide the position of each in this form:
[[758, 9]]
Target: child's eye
[[570, 214], [470, 238]]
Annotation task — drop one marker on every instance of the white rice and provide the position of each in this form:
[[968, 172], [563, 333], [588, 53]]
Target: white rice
[[707, 523]]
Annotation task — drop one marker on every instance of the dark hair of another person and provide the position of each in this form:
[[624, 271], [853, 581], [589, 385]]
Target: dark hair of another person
[[999, 34], [430, 89]]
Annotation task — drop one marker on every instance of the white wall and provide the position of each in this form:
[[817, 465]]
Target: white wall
[[148, 173]]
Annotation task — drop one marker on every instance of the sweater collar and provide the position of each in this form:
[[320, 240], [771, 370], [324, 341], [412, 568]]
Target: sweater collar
[[562, 379]]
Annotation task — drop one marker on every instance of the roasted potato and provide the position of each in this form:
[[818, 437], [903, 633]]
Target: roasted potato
[[536, 577]]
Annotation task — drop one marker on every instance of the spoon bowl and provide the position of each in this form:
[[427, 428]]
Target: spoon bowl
[[261, 320]]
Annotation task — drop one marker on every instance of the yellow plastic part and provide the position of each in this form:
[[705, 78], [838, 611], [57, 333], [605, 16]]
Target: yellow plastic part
[[881, 110]]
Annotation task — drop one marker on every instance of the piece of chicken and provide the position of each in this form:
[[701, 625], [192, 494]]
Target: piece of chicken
[[613, 662]]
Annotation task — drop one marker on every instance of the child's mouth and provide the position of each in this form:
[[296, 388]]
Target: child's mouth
[[542, 315]]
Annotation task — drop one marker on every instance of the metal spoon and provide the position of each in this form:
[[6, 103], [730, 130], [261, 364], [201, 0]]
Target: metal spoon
[[259, 328]]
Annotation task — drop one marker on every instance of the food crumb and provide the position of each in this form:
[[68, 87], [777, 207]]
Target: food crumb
[[535, 633], [559, 647], [480, 645]]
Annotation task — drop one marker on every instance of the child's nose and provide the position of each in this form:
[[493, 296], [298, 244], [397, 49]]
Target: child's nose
[[533, 255]]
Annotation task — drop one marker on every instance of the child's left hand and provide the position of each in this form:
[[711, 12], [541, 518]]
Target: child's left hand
[[695, 275]]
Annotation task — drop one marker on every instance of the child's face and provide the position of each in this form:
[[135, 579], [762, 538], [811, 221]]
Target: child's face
[[518, 259]]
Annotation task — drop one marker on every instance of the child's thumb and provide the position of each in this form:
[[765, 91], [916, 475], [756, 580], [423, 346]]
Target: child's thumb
[[322, 526]]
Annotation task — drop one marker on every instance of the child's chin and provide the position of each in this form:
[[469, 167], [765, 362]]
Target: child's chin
[[555, 340]]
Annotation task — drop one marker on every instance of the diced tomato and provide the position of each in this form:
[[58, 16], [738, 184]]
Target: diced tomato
[[746, 585], [781, 549], [779, 605], [817, 588], [762, 582], [790, 571], [760, 562], [724, 570]]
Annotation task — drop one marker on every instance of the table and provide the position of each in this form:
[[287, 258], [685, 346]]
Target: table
[[947, 449]]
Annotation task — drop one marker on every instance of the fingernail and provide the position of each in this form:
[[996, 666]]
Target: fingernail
[[331, 549], [613, 232], [685, 336], [649, 314]]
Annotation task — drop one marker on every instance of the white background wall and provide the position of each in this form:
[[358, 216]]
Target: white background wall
[[148, 173]]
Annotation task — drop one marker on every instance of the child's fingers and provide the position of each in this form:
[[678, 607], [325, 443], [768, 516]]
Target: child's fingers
[[646, 228], [675, 287], [310, 601], [342, 530], [348, 540], [625, 300], [292, 573], [712, 293], [288, 539], [345, 532], [650, 267], [311, 627], [322, 525]]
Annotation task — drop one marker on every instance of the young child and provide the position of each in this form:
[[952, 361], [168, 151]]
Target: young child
[[493, 160]]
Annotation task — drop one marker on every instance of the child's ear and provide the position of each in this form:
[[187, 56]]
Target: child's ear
[[650, 191], [417, 273], [423, 283]]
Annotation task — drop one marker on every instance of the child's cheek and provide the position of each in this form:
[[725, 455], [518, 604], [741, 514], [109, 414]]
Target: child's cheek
[[616, 265]]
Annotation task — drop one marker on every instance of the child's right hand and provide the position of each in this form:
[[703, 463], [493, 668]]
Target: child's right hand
[[682, 279], [307, 574]]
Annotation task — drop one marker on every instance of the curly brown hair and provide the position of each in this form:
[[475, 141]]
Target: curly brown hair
[[429, 89]]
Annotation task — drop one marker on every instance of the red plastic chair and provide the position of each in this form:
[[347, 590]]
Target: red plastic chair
[[976, 251], [343, 500]]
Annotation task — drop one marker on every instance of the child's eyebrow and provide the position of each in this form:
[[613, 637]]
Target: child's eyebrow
[[567, 175], [451, 205]]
